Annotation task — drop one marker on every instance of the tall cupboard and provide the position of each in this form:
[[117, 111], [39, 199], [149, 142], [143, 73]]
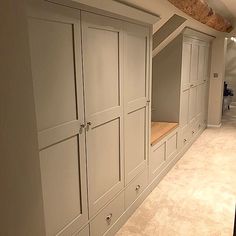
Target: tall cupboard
[[194, 86], [91, 88]]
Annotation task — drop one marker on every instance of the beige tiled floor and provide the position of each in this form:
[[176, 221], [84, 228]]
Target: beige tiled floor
[[198, 196]]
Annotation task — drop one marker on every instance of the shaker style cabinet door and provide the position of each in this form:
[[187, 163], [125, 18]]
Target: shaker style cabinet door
[[102, 40], [136, 85], [54, 34]]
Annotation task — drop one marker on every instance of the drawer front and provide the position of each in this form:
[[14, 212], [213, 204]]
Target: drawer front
[[108, 216], [83, 232], [171, 146], [157, 159], [135, 188]]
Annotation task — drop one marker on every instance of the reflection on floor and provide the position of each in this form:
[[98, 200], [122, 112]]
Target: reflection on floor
[[198, 196]]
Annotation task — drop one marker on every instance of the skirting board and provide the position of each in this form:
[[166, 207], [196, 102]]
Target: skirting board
[[214, 126], [128, 213]]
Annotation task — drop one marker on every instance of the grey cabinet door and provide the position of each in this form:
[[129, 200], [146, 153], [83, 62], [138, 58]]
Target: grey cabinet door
[[136, 85], [54, 34], [102, 40]]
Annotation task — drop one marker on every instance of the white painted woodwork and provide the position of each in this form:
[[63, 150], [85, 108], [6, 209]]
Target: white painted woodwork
[[171, 146], [157, 159], [184, 108], [194, 64], [186, 64], [53, 72], [108, 216], [54, 34], [204, 107], [186, 136], [201, 62], [61, 185], [135, 188], [135, 152], [102, 40], [192, 103], [83, 232], [207, 64], [199, 99], [136, 86]]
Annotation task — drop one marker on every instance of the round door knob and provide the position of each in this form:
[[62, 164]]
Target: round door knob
[[137, 187], [108, 218], [88, 125], [82, 126]]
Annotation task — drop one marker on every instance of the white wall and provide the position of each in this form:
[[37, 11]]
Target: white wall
[[230, 70], [216, 84], [21, 209]]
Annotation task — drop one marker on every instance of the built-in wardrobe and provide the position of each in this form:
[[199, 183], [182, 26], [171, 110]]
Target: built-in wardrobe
[[92, 89], [180, 84], [91, 76]]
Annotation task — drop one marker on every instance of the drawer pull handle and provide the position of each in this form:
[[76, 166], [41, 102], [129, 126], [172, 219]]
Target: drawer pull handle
[[193, 132], [191, 85], [108, 218], [137, 187], [185, 140]]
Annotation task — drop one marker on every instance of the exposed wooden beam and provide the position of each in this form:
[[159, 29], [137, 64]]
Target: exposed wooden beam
[[201, 11]]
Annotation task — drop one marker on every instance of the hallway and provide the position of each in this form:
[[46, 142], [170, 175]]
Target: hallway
[[197, 197], [229, 117]]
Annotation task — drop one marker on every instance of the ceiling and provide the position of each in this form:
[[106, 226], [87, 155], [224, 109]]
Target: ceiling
[[226, 8]]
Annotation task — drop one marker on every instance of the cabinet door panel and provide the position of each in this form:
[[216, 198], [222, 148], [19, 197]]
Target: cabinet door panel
[[54, 36], [135, 143], [184, 109], [186, 64], [171, 146], [53, 72], [194, 63], [192, 103], [136, 95], [102, 40], [201, 62], [61, 185], [136, 52], [103, 150], [204, 103], [206, 63], [157, 159], [199, 99], [102, 77]]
